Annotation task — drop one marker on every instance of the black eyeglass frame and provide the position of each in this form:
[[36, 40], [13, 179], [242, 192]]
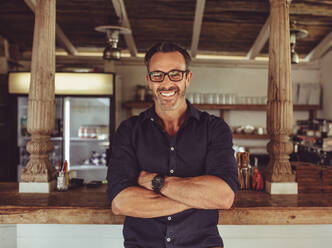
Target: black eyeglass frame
[[167, 73]]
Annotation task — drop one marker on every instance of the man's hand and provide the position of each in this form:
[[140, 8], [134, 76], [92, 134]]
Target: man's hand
[[145, 178]]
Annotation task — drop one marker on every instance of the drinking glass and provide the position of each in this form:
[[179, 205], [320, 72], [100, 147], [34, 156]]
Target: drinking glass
[[197, 98], [222, 99], [190, 97], [216, 99]]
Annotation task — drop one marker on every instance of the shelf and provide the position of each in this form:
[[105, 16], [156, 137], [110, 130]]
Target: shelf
[[73, 139], [249, 136], [87, 139], [254, 107], [27, 138], [130, 105], [88, 167]]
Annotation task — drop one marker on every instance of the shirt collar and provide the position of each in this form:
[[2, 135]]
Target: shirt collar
[[150, 113]]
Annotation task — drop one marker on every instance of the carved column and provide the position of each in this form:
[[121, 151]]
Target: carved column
[[4, 56], [280, 106], [41, 104]]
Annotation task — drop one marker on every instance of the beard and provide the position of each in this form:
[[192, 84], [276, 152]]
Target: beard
[[172, 104]]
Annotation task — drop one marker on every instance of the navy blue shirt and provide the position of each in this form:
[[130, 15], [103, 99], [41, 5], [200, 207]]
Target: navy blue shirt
[[202, 146]]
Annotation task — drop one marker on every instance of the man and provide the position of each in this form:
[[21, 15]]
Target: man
[[172, 166]]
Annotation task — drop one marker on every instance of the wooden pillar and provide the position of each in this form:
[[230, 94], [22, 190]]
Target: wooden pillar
[[280, 106], [4, 56], [41, 103]]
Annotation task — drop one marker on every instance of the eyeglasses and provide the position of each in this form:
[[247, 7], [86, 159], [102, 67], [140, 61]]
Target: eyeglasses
[[173, 75]]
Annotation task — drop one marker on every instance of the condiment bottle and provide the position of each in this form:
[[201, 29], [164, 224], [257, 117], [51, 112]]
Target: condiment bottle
[[245, 169], [240, 175]]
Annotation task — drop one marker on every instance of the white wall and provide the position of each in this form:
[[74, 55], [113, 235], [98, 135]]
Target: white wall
[[243, 79], [326, 80], [253, 236], [8, 236]]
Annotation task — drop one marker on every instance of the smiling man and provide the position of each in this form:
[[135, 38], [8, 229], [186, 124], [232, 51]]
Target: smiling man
[[173, 166]]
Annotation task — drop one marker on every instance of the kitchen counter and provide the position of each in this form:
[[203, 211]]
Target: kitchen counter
[[91, 206]]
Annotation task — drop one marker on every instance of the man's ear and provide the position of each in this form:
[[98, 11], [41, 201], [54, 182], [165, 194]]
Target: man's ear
[[149, 82], [188, 78]]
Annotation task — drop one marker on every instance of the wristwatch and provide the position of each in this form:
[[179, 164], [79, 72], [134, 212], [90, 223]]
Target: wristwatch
[[157, 183]]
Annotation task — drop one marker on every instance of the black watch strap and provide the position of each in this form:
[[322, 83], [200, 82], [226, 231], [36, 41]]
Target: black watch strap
[[158, 182]]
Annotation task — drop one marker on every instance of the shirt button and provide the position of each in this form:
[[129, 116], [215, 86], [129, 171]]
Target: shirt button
[[168, 239], [172, 148], [169, 218], [151, 119], [171, 171]]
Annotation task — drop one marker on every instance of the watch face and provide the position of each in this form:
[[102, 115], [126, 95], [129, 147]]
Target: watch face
[[157, 183]]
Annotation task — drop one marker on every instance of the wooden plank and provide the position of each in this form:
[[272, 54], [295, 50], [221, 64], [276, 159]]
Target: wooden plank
[[63, 39], [276, 216], [260, 41], [251, 107], [121, 12], [321, 48], [60, 35], [4, 48], [249, 136], [199, 12], [227, 28], [91, 206], [234, 216]]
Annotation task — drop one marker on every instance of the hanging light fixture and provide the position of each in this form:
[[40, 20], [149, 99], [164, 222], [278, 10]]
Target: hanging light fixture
[[295, 34], [111, 51]]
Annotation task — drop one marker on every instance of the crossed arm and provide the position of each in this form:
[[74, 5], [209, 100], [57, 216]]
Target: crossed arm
[[177, 195]]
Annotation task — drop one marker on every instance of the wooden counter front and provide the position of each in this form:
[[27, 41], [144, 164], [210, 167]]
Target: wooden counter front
[[91, 206]]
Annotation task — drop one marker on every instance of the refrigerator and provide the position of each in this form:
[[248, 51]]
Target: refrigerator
[[84, 127]]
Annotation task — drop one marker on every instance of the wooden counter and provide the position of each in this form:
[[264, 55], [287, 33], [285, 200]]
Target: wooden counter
[[91, 206]]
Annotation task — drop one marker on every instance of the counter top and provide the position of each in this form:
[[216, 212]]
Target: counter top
[[91, 206]]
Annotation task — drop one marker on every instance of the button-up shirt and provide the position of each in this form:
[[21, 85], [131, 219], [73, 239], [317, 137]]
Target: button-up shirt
[[202, 146]]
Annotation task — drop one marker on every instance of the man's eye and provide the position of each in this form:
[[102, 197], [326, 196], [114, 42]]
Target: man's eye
[[156, 74], [174, 74]]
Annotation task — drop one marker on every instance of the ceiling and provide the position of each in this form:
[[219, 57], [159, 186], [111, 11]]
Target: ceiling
[[223, 27]]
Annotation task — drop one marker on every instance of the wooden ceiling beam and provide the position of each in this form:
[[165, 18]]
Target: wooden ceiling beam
[[321, 48], [199, 12], [4, 48], [60, 35], [260, 41], [120, 11]]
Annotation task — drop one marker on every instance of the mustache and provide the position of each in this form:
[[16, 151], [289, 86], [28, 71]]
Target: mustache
[[175, 88]]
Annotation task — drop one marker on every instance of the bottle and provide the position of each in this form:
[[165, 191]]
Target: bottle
[[294, 156], [245, 169], [24, 131], [324, 129], [239, 165]]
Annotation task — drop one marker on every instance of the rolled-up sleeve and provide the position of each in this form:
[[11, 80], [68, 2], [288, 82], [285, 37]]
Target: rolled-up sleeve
[[220, 160], [123, 170]]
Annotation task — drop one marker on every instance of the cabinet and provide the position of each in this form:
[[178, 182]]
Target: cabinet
[[312, 109]]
